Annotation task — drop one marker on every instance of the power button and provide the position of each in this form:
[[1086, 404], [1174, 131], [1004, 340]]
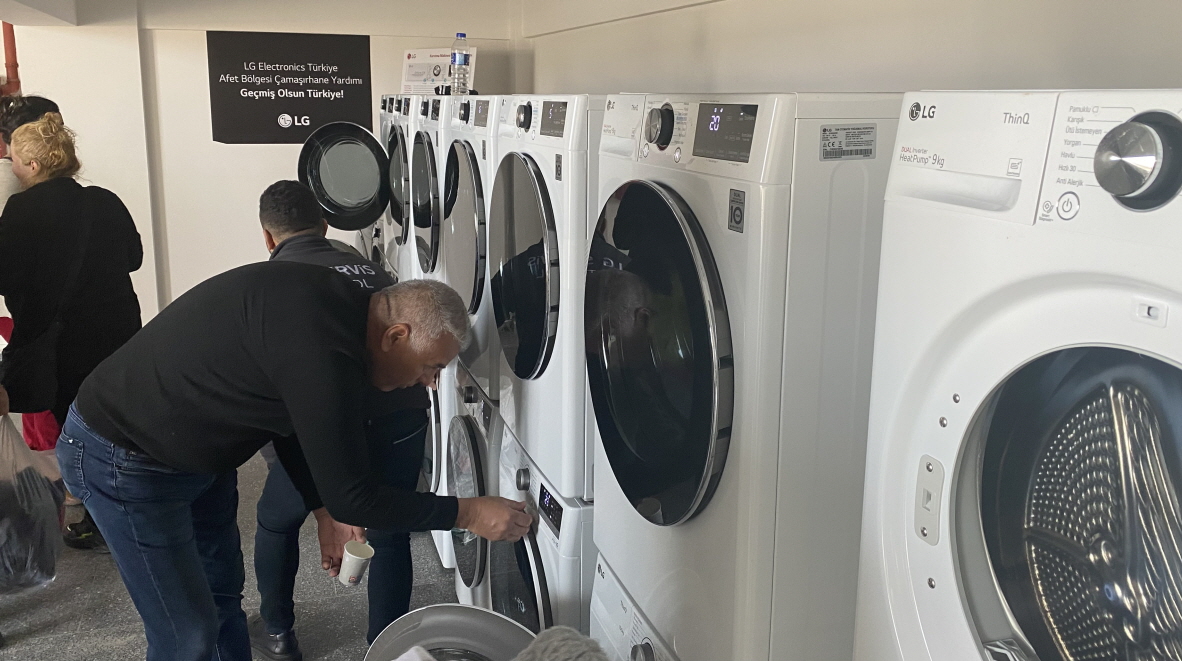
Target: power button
[[1068, 205]]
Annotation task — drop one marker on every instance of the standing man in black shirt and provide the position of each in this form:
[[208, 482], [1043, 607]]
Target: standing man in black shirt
[[276, 352], [396, 426]]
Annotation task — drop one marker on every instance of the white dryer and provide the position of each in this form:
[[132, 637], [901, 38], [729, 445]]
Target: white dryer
[[545, 578], [473, 445], [428, 160], [538, 228], [1024, 461], [728, 358], [396, 227], [463, 249]]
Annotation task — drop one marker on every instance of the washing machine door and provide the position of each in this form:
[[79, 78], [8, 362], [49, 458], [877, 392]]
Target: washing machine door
[[348, 171], [465, 479], [523, 242], [399, 188], [659, 356], [452, 632], [463, 241], [518, 583], [424, 191], [433, 453]]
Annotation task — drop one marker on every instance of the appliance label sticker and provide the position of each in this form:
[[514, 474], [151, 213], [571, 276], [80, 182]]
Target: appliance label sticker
[[848, 142]]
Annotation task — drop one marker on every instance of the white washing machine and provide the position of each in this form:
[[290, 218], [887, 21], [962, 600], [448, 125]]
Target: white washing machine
[[728, 359], [396, 228], [428, 160], [463, 252], [452, 631], [473, 445], [544, 579], [1023, 461], [538, 250]]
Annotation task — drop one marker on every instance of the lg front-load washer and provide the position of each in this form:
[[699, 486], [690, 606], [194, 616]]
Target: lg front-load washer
[[728, 355], [1026, 414], [396, 228], [473, 445], [428, 160], [544, 579], [538, 247], [452, 632], [463, 250]]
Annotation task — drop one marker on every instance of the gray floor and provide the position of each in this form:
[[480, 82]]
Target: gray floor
[[86, 615]]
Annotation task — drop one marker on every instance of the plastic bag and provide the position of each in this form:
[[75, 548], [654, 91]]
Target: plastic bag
[[31, 500]]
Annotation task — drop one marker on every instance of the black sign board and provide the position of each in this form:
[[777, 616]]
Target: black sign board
[[267, 87]]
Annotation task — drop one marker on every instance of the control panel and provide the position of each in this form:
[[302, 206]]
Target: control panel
[[1112, 151]]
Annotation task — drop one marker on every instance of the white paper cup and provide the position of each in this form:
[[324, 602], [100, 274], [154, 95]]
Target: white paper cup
[[356, 560]]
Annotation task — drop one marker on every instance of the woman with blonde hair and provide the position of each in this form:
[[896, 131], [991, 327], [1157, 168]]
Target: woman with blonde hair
[[66, 255]]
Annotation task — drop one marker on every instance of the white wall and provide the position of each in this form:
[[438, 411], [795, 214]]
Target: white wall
[[103, 102], [867, 45], [209, 191]]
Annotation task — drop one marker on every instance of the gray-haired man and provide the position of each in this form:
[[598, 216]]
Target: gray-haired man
[[276, 351]]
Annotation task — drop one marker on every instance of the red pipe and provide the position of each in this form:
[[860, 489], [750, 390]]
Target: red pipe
[[12, 84]]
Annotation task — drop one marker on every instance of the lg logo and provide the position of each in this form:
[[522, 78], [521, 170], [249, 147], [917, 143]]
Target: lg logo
[[287, 121], [917, 111]]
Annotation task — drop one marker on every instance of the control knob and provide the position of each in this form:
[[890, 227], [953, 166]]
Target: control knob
[[659, 129], [424, 107], [465, 110], [470, 396], [523, 479], [1129, 159], [643, 652], [525, 115]]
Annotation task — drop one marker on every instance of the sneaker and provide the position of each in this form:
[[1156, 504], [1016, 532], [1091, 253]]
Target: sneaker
[[277, 647], [84, 535]]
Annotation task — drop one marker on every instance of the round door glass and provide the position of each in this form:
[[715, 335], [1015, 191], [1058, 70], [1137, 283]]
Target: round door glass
[[347, 170], [463, 240], [433, 448], [465, 479], [518, 584], [399, 184], [1078, 493], [425, 201], [658, 352], [524, 245]]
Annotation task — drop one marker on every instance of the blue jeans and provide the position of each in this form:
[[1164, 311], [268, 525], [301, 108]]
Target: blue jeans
[[174, 537], [396, 445]]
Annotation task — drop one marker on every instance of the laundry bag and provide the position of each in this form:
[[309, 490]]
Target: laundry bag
[[31, 500]]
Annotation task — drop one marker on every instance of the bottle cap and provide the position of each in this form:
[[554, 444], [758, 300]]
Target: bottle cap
[[461, 35]]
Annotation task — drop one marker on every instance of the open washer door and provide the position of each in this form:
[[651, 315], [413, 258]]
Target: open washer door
[[463, 240], [523, 242], [519, 588], [399, 179], [465, 479], [424, 193], [452, 632], [348, 171], [659, 359]]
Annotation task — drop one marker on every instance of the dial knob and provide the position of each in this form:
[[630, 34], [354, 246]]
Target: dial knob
[[424, 107], [525, 116], [465, 110], [643, 652], [1129, 159], [470, 395], [523, 479], [659, 130]]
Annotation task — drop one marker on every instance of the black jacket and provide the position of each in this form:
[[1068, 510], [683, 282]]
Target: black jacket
[[40, 236], [265, 352], [308, 249]]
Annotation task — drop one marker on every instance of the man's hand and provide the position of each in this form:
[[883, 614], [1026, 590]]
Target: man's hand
[[495, 519], [3, 401], [333, 536]]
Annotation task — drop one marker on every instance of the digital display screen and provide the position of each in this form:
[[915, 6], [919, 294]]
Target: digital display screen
[[481, 113], [435, 109], [725, 131], [553, 118], [550, 506]]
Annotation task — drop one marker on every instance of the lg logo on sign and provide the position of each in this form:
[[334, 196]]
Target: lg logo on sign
[[918, 111], [287, 121]]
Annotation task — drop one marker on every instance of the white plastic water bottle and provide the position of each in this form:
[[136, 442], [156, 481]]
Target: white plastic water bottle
[[459, 64]]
